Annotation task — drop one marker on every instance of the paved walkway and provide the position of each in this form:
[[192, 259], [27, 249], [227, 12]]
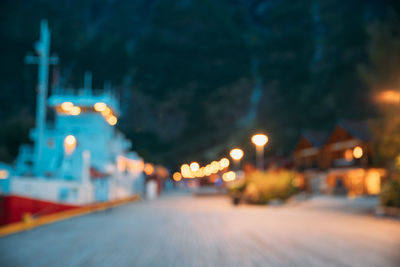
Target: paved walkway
[[209, 231]]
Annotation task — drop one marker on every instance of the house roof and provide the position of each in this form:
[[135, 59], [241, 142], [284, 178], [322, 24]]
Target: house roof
[[358, 129], [316, 138]]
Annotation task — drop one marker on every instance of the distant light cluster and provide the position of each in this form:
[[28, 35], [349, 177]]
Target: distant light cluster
[[70, 109], [195, 171]]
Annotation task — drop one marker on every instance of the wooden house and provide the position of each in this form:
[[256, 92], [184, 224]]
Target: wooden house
[[348, 145], [340, 163], [306, 154], [307, 159], [346, 157]]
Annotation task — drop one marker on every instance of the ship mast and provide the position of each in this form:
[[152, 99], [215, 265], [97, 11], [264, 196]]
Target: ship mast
[[43, 59]]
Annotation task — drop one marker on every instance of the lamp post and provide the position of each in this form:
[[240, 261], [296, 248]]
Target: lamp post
[[236, 154], [194, 166], [259, 140]]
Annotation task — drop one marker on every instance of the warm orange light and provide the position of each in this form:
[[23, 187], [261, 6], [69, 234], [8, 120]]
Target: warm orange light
[[397, 162], [121, 163], [70, 140], [107, 111], [194, 166], [112, 120], [66, 106], [75, 111], [259, 139], [224, 163], [4, 174], [207, 170], [236, 153], [389, 97], [185, 170], [162, 172], [135, 166], [69, 144], [348, 155], [229, 176], [297, 181], [199, 173], [148, 169], [358, 152], [100, 106], [177, 176], [214, 166], [373, 182]]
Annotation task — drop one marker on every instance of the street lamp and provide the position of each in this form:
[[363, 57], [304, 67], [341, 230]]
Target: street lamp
[[185, 171], [259, 140], [236, 154], [194, 166], [229, 176], [224, 163], [177, 176]]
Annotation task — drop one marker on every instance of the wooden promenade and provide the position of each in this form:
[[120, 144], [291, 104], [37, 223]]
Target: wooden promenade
[[208, 231]]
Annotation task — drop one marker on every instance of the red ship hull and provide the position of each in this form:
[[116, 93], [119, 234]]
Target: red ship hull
[[12, 208]]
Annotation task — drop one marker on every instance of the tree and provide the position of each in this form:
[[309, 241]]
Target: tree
[[382, 74]]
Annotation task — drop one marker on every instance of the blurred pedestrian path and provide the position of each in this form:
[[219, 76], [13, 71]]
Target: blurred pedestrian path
[[184, 230]]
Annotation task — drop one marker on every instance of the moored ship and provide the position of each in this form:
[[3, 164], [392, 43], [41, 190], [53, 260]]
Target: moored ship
[[78, 158]]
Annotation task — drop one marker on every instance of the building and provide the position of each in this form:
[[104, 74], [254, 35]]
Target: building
[[306, 154], [339, 163], [307, 158]]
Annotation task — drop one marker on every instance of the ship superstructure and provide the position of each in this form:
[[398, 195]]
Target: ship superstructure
[[79, 157]]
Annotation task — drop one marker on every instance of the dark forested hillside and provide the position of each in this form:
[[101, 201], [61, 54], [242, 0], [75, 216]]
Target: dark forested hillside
[[196, 76]]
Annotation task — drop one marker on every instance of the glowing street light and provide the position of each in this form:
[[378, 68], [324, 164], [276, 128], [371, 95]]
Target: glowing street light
[[214, 166], [194, 166], [236, 154], [207, 170], [259, 140], [185, 170], [69, 144], [199, 173], [229, 176], [224, 163], [177, 176]]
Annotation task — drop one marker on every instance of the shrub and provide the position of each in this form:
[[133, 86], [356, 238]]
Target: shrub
[[390, 193], [262, 187]]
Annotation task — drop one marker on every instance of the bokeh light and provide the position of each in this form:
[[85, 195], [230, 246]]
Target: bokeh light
[[236, 153]]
